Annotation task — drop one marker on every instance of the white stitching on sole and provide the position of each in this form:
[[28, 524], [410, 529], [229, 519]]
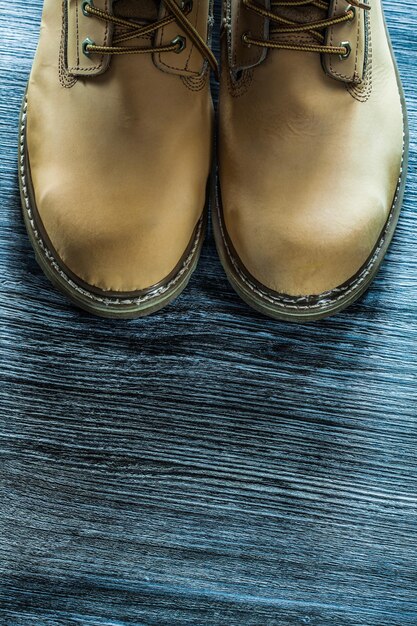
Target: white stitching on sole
[[109, 301]]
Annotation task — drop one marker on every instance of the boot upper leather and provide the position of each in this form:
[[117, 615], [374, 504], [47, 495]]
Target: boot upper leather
[[310, 156], [119, 152]]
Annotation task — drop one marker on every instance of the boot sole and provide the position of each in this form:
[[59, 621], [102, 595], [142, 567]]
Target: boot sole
[[310, 308], [95, 301]]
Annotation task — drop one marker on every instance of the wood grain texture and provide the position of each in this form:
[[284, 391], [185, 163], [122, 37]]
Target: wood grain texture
[[205, 465]]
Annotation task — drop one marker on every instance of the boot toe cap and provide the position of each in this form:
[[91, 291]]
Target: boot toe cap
[[121, 255], [307, 258]]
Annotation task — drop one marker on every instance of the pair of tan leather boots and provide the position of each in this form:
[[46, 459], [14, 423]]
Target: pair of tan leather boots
[[116, 151]]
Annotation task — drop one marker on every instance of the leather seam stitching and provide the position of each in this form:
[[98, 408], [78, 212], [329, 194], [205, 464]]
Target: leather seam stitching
[[256, 55], [180, 70], [355, 90], [66, 79], [332, 69], [100, 66], [187, 62]]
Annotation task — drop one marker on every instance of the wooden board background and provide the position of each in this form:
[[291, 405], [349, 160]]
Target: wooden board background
[[205, 465]]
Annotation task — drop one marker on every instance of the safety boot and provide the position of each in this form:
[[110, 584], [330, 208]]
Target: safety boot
[[115, 149], [313, 146]]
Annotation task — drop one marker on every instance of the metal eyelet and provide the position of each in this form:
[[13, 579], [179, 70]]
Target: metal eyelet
[[245, 39], [180, 42], [87, 42], [348, 48], [84, 4], [187, 6], [351, 9]]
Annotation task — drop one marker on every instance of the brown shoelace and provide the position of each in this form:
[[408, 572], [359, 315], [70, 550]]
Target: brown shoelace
[[135, 30], [315, 28]]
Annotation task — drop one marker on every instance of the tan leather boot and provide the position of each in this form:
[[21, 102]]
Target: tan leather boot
[[115, 149], [312, 152]]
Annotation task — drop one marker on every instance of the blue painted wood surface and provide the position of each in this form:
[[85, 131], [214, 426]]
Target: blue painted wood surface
[[204, 465]]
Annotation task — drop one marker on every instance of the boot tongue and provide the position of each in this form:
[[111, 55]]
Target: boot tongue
[[301, 15], [138, 10]]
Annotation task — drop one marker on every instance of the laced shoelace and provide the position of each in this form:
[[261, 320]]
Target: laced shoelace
[[314, 28], [133, 30]]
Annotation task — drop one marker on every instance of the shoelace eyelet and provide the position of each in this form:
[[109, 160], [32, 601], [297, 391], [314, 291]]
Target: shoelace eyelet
[[180, 42], [87, 42], [351, 9], [84, 5], [135, 31], [187, 6], [245, 39], [348, 48]]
